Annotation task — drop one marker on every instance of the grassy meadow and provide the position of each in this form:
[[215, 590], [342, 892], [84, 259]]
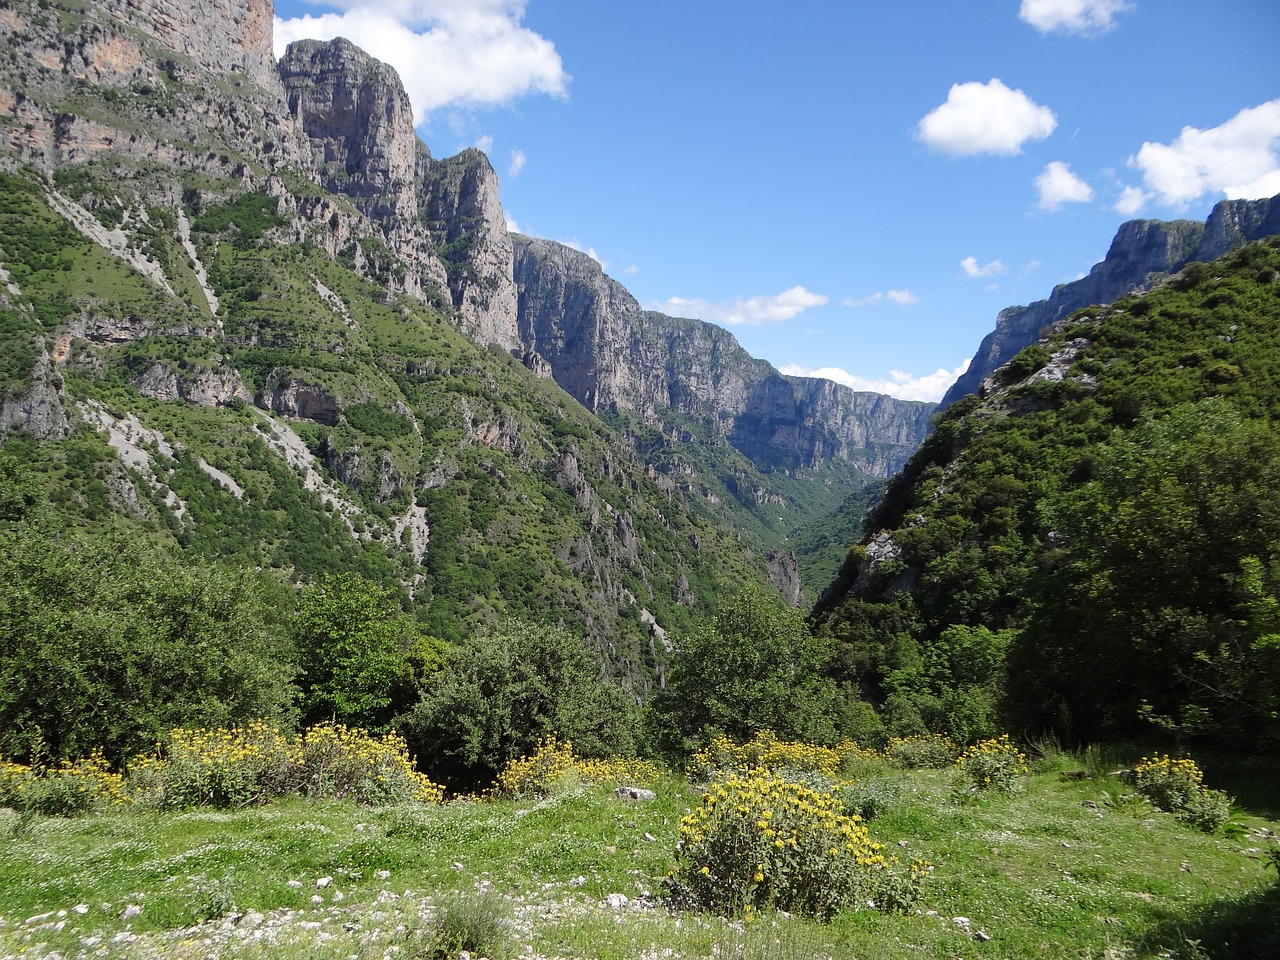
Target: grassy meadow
[[1071, 863]]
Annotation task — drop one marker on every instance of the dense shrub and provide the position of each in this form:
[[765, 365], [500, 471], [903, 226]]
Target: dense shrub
[[554, 768], [766, 752], [994, 764], [754, 666], [760, 841], [105, 645], [69, 788], [1177, 787], [935, 750], [503, 691], [247, 765]]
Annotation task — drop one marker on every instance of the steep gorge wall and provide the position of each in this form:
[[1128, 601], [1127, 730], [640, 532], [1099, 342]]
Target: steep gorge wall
[[610, 354], [223, 36]]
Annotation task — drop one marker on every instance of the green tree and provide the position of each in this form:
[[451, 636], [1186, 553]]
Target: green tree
[[754, 666], [504, 689], [1156, 603], [107, 645], [358, 652]]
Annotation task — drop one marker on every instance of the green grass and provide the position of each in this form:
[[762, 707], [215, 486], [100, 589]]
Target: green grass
[[1055, 870]]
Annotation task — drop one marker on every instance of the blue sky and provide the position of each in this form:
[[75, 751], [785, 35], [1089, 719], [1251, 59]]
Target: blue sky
[[854, 188]]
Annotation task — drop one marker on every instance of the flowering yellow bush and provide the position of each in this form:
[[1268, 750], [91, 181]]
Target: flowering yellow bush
[[553, 766], [766, 752], [252, 764], [350, 764], [994, 764], [758, 840], [925, 750], [1177, 787], [71, 787]]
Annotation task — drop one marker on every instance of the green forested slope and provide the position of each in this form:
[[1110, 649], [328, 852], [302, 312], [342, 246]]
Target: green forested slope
[[1095, 543]]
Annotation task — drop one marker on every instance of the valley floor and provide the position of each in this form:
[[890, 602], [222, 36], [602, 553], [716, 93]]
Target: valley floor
[[1067, 867]]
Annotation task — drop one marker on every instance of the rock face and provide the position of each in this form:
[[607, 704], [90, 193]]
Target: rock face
[[219, 35], [461, 209], [1142, 252], [359, 123], [613, 356], [442, 218]]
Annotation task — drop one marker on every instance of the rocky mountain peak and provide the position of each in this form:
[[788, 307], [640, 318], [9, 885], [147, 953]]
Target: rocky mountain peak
[[357, 116]]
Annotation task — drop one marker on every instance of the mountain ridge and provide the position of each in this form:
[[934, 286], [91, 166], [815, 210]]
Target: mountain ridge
[[1141, 253]]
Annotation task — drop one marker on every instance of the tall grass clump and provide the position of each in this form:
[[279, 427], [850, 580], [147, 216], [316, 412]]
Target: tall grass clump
[[474, 924]]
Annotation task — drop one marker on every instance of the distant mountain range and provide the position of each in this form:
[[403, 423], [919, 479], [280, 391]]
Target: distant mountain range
[[245, 309]]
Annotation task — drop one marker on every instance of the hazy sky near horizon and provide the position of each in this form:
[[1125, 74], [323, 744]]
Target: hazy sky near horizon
[[855, 189]]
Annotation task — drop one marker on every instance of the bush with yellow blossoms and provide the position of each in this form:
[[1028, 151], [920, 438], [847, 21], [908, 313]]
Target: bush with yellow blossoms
[[1177, 787], [240, 766], [759, 841], [69, 788], [554, 768], [935, 750], [766, 752], [994, 764]]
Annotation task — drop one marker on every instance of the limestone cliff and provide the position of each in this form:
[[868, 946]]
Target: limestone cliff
[[460, 207], [613, 356], [1142, 252], [224, 36]]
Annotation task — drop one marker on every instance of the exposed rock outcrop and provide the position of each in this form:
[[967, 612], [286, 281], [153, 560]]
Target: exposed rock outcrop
[[461, 209], [611, 355], [1142, 252], [224, 36]]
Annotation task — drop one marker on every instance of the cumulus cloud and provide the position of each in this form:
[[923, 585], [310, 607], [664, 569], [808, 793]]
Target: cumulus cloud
[[449, 53], [1073, 16], [985, 118], [484, 144], [974, 269], [517, 163], [905, 386], [1238, 160], [903, 298], [752, 312], [1132, 200], [1058, 185]]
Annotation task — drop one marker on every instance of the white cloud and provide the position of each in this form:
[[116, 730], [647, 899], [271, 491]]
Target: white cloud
[[905, 386], [755, 311], [985, 118], [1238, 160], [1058, 185], [1132, 199], [974, 269], [461, 53], [1073, 16], [513, 227], [517, 163], [903, 298], [484, 144], [631, 271]]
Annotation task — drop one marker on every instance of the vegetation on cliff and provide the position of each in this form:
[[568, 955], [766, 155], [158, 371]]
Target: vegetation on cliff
[[1091, 546]]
